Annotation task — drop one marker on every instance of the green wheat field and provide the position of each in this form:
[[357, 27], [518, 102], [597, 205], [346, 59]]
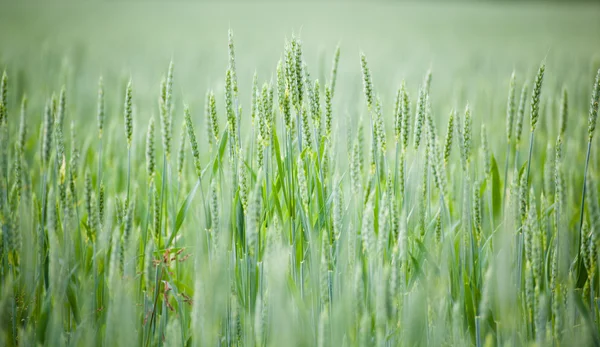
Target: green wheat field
[[299, 174]]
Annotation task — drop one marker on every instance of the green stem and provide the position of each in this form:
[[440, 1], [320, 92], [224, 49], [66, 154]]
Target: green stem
[[529, 160], [505, 182], [162, 196], [582, 206]]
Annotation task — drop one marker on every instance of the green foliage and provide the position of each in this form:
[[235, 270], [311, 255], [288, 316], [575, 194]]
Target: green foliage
[[292, 241]]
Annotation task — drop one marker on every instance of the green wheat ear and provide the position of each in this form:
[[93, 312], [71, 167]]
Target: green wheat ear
[[521, 113], [449, 138], [193, 143], [535, 96], [3, 98], [181, 152], [467, 133], [214, 121], [420, 116], [23, 124], [334, 70], [510, 107], [367, 83], [328, 112], [594, 106], [485, 148], [398, 115], [100, 107], [253, 104], [231, 51], [231, 121], [62, 105], [166, 108], [150, 155], [405, 115], [427, 81], [306, 137], [299, 70], [564, 111], [128, 113], [47, 134]]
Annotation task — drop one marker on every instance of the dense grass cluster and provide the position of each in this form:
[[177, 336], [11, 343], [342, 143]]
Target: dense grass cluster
[[263, 223]]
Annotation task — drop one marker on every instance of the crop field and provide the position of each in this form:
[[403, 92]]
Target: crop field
[[299, 174]]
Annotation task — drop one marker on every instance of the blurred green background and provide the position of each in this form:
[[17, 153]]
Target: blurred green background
[[465, 44], [401, 39]]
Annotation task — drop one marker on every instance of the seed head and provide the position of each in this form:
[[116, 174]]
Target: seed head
[[535, 96], [594, 106], [405, 116], [523, 198], [157, 222], [231, 121], [398, 116], [193, 142], [384, 228], [355, 168], [510, 107], [420, 116], [17, 173], [214, 208], [306, 138], [290, 71], [315, 109], [380, 127], [62, 104], [427, 81], [4, 98], [214, 121], [287, 112], [165, 116], [434, 160], [253, 101], [266, 98], [244, 186], [87, 195], [231, 50], [128, 114], [334, 69], [181, 153], [302, 184], [467, 134], [477, 209], [23, 124], [150, 155], [281, 83], [128, 223], [521, 114], [47, 136], [328, 111], [367, 84], [254, 218], [169, 91], [60, 143], [263, 131], [209, 128], [401, 174], [564, 111], [485, 149], [100, 107], [299, 69], [594, 208], [367, 230], [449, 136]]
